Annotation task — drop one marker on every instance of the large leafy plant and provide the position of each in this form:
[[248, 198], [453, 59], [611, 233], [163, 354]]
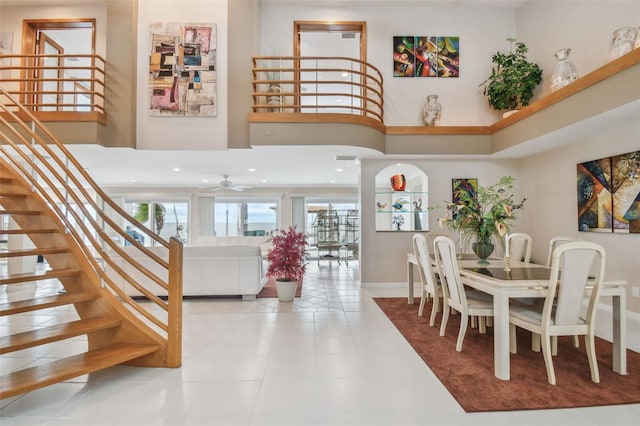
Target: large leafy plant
[[485, 215], [513, 78], [287, 256]]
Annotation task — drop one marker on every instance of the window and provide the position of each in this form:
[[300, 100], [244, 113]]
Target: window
[[241, 218], [165, 218]]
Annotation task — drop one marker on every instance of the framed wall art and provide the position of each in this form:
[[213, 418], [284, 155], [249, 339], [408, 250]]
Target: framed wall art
[[426, 56], [183, 69], [467, 186], [608, 194]]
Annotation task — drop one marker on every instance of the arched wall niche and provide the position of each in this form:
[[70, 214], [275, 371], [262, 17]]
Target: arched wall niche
[[402, 199]]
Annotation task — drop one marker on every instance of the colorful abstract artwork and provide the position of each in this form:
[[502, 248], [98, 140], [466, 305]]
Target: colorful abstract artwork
[[468, 186], [183, 70], [426, 56], [609, 194]]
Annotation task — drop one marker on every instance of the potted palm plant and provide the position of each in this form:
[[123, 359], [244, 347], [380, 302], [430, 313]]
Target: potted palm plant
[[287, 261], [513, 78]]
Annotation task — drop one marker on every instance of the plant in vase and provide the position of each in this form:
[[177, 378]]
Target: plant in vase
[[485, 218], [287, 261], [513, 78]]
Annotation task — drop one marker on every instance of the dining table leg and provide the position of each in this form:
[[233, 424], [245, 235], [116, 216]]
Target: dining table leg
[[410, 282], [619, 333], [501, 335]]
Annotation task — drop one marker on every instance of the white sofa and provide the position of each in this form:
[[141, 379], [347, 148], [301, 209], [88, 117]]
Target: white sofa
[[207, 271], [262, 242]]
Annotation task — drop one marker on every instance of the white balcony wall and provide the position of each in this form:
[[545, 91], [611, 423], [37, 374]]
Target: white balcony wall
[[184, 133]]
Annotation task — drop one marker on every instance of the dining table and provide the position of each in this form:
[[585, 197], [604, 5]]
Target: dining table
[[505, 281]]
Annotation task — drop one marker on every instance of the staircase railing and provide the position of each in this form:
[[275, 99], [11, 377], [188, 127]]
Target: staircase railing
[[314, 84], [55, 82], [97, 224]]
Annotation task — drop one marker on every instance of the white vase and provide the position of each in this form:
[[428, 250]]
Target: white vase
[[286, 290], [432, 111], [623, 41], [565, 72]]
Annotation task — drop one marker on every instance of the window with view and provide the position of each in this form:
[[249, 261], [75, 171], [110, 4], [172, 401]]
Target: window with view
[[242, 218], [165, 218]]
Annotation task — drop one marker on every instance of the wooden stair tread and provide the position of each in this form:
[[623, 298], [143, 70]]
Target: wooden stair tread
[[27, 231], [10, 194], [45, 302], [40, 275], [67, 368], [40, 336], [21, 212], [33, 252]]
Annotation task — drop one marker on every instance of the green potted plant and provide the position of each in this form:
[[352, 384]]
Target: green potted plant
[[513, 78], [287, 261], [483, 217]]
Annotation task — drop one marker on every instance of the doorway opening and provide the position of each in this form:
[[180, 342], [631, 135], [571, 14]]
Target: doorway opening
[[346, 39], [54, 79]]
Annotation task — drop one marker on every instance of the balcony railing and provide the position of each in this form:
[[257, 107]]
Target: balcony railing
[[310, 84], [50, 83]]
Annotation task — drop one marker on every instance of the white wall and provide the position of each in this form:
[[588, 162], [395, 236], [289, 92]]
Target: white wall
[[383, 254], [185, 133], [462, 100], [549, 181], [586, 27]]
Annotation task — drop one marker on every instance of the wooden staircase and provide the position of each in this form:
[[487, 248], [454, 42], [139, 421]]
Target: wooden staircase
[[52, 208]]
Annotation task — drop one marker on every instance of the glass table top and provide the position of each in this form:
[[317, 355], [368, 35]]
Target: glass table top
[[516, 273]]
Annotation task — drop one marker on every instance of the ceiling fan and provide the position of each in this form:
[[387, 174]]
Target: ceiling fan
[[227, 184]]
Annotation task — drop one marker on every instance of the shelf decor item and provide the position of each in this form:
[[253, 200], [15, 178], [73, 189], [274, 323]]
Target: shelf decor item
[[513, 78], [398, 183], [485, 218], [565, 72], [287, 261], [432, 111], [623, 41]]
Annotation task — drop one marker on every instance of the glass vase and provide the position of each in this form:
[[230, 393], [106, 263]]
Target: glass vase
[[432, 111], [482, 249], [565, 72], [623, 41]]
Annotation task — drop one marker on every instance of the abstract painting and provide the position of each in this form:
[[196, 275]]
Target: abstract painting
[[426, 56], [609, 194], [468, 186], [183, 69]]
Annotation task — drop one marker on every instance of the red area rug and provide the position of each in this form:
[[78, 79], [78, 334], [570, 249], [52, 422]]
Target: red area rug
[[468, 375], [269, 289]]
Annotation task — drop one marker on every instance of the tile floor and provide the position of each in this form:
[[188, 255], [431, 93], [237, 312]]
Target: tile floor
[[329, 358]]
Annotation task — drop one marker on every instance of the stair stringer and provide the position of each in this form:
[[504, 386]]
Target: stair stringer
[[106, 304]]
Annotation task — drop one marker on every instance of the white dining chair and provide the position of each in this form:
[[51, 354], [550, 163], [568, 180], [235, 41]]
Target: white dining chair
[[454, 294], [555, 242], [518, 245], [560, 313], [430, 286]]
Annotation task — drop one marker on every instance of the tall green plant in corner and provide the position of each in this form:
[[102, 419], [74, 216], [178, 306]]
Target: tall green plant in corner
[[513, 78]]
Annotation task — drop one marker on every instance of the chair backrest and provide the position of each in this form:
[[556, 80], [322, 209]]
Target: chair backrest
[[445, 253], [571, 266], [421, 251], [519, 245], [555, 242]]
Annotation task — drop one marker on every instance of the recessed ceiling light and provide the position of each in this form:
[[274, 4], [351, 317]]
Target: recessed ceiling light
[[133, 181], [205, 180], [338, 100], [344, 74], [338, 169], [176, 169], [252, 169], [333, 181], [263, 181]]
